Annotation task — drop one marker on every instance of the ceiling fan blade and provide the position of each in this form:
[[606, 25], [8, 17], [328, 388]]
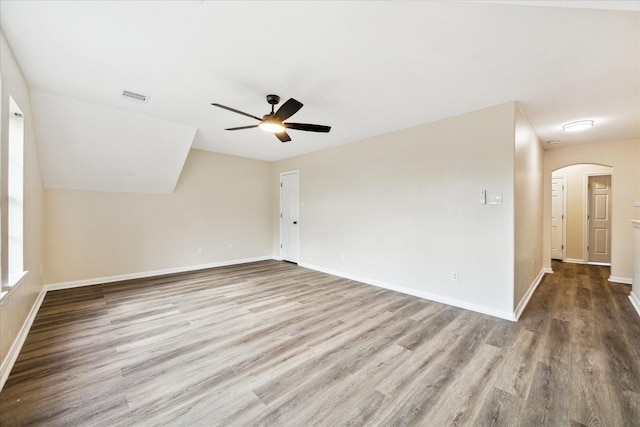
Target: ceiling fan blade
[[243, 127], [283, 136], [308, 127], [288, 109], [236, 111]]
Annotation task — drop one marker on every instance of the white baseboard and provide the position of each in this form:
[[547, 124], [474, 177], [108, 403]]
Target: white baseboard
[[14, 350], [635, 301], [625, 280], [416, 293], [574, 260], [142, 275], [527, 296]]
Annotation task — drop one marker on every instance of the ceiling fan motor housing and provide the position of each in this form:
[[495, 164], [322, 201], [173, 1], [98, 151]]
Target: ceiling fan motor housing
[[273, 99]]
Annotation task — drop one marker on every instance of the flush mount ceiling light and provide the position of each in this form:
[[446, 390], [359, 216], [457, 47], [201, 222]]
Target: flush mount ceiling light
[[576, 126]]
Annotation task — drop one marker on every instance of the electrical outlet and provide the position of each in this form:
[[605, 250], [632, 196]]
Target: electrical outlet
[[200, 249], [230, 248], [455, 277]]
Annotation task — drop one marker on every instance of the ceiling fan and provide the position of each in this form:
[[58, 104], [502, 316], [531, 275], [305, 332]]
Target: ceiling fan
[[274, 121]]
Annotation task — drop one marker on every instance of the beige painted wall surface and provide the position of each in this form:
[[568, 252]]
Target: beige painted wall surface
[[220, 200], [404, 208], [16, 307], [529, 167], [623, 157], [575, 216]]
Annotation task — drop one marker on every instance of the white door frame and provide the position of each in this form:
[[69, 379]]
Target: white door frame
[[296, 256], [587, 223], [564, 214]]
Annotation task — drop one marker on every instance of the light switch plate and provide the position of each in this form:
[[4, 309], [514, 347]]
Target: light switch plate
[[495, 198], [636, 203]]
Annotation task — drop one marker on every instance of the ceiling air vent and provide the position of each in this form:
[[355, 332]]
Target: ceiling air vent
[[135, 97]]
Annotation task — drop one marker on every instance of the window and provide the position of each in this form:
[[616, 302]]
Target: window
[[15, 196], [15, 188]]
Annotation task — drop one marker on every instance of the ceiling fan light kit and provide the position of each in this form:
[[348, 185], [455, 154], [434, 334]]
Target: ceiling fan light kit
[[272, 126], [274, 121]]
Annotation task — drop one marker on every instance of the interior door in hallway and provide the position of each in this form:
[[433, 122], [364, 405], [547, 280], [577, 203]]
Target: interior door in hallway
[[599, 219], [557, 218], [289, 213]]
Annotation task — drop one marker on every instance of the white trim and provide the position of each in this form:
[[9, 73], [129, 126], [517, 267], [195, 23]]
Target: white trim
[[14, 351], [574, 261], [564, 213], [416, 293], [15, 279], [141, 275], [527, 296], [606, 264], [282, 174], [635, 302], [616, 279], [587, 200]]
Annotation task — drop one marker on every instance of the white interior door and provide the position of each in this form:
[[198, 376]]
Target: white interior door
[[599, 219], [557, 218], [289, 216]]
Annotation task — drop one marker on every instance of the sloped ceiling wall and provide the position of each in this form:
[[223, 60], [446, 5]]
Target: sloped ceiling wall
[[127, 151]]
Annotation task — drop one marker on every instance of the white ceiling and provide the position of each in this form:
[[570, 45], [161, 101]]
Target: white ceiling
[[364, 68]]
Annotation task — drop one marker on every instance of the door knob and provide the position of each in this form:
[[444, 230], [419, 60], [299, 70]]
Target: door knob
[[295, 222]]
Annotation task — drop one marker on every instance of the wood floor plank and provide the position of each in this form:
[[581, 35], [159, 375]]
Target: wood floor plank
[[547, 405], [410, 408], [344, 404], [500, 409], [557, 342], [588, 401], [468, 390], [270, 343], [517, 370]]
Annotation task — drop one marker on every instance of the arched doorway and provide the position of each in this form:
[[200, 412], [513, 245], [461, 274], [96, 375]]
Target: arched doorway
[[581, 214]]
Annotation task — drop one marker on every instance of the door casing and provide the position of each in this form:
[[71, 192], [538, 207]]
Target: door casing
[[290, 216], [590, 256], [558, 203]]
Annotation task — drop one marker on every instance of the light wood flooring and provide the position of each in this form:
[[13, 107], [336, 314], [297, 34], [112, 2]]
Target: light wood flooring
[[273, 344]]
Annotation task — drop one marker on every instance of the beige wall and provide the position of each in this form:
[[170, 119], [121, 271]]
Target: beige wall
[[404, 208], [623, 157], [575, 216], [528, 169], [16, 307], [220, 200]]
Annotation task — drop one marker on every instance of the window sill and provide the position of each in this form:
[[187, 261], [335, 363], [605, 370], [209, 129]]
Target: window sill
[[15, 279]]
